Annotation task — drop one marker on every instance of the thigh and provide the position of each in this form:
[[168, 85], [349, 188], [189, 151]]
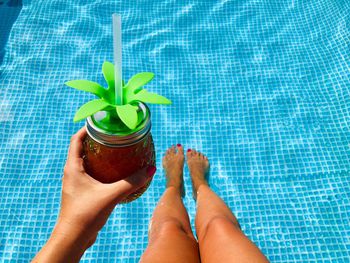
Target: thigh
[[171, 244], [225, 242]]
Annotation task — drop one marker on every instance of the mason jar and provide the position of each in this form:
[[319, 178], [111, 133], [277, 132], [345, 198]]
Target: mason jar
[[111, 155]]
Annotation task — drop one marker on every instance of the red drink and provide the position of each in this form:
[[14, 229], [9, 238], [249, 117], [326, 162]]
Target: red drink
[[112, 156]]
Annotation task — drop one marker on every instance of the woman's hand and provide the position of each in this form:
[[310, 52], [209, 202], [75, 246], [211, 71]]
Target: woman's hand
[[87, 203]]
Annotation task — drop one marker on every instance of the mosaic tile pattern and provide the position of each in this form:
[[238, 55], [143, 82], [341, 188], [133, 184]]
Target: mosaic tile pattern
[[261, 87]]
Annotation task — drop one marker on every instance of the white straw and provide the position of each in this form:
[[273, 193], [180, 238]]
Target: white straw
[[117, 48]]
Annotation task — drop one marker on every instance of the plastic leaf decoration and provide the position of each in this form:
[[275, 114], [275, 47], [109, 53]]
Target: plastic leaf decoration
[[139, 80], [128, 114], [149, 97], [108, 73], [90, 108], [88, 86], [132, 92]]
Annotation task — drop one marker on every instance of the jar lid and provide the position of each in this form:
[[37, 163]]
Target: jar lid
[[118, 136]]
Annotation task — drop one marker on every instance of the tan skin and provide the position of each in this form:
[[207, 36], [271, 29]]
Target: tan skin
[[220, 238], [86, 205]]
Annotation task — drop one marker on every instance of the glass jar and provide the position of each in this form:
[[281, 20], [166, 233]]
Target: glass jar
[[110, 156]]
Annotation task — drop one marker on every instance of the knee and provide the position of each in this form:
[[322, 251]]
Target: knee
[[222, 221], [221, 224], [168, 228], [172, 225]]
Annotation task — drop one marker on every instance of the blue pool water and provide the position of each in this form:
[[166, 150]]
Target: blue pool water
[[261, 87]]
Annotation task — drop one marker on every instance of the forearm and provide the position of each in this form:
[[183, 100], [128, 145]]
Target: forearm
[[64, 245]]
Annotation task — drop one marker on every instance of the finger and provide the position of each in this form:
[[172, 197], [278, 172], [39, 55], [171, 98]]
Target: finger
[[123, 188], [76, 144]]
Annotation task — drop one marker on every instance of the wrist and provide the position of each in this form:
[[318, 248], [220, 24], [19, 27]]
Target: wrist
[[66, 244], [75, 235]]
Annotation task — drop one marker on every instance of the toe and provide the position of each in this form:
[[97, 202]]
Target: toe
[[165, 159], [180, 149], [189, 153], [197, 154], [172, 149]]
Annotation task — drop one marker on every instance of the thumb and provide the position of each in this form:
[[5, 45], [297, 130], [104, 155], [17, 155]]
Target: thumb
[[130, 184]]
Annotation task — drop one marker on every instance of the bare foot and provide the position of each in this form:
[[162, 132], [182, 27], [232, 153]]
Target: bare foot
[[173, 164], [198, 165]]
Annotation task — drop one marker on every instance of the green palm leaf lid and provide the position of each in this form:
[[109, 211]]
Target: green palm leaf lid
[[133, 93]]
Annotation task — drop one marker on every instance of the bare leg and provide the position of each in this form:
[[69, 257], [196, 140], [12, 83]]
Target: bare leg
[[219, 234], [170, 234]]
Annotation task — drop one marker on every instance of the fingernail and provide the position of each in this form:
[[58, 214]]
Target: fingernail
[[188, 150], [178, 145], [151, 170]]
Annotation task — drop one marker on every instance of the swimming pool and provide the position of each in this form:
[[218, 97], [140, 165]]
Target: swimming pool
[[261, 87]]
